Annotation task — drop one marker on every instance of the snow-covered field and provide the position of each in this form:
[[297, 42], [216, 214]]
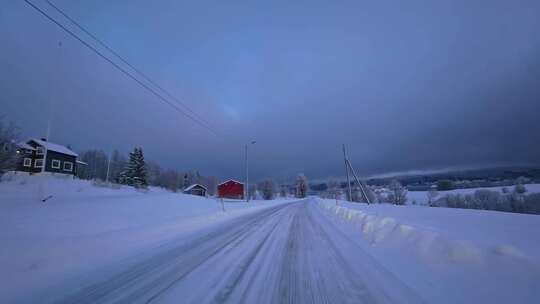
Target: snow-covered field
[[450, 255], [420, 197], [84, 226], [91, 243]]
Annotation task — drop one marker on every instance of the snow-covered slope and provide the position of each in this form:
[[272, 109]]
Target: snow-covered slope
[[450, 255], [83, 226]]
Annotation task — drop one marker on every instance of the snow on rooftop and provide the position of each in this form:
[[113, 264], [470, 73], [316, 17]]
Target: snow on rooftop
[[230, 180], [193, 186], [53, 147], [24, 145]]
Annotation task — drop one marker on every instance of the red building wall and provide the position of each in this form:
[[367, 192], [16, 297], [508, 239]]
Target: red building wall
[[231, 189]]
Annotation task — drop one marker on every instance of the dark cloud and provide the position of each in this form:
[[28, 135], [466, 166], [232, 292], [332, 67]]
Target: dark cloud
[[407, 86]]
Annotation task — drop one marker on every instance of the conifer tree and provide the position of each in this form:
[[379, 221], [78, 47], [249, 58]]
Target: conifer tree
[[135, 172]]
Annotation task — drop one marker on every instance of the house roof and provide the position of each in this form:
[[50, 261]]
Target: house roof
[[230, 180], [53, 147], [193, 186], [26, 146]]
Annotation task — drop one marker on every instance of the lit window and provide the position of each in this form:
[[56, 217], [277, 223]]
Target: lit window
[[55, 164], [68, 166], [27, 162], [39, 163]]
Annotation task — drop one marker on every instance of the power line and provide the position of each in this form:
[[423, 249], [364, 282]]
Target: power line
[[124, 60], [121, 69]]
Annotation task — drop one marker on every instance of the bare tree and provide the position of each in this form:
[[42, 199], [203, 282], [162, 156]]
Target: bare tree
[[332, 188], [432, 195], [118, 163], [192, 177], [170, 179], [283, 191], [211, 185], [356, 194], [97, 164], [522, 180], [252, 191], [301, 186], [370, 194], [8, 148], [398, 194], [267, 189], [153, 173], [520, 189]]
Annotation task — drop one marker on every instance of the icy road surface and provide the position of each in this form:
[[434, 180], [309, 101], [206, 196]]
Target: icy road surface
[[290, 253]]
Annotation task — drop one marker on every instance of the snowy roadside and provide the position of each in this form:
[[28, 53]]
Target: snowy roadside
[[84, 227], [449, 255]]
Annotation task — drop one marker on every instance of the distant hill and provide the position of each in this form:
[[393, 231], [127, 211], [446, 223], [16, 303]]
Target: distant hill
[[480, 177]]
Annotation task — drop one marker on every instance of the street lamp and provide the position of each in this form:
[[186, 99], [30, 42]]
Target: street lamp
[[247, 171]]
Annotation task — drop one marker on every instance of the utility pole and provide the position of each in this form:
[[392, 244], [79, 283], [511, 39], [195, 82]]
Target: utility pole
[[347, 170], [348, 167], [108, 168], [42, 186], [49, 120], [247, 172], [247, 176], [47, 135], [359, 183]]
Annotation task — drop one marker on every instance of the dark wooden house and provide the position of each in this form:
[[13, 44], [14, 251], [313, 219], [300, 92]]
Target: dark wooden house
[[39, 155], [196, 189], [231, 189]]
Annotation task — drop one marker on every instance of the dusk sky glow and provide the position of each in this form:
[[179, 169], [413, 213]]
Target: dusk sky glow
[[414, 85]]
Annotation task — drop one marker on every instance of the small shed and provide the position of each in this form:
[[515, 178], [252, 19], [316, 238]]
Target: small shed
[[196, 189], [231, 189]]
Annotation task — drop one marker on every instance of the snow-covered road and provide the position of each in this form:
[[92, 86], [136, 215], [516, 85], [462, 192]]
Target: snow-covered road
[[290, 253]]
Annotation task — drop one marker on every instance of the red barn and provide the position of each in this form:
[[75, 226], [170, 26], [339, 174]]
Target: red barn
[[231, 189]]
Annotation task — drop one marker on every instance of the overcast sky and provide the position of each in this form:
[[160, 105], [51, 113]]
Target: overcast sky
[[407, 85]]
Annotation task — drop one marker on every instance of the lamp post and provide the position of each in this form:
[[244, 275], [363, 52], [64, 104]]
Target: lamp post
[[41, 188], [247, 171], [51, 109]]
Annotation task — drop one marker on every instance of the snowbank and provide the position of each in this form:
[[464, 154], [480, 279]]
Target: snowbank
[[474, 252], [452, 233], [83, 226]]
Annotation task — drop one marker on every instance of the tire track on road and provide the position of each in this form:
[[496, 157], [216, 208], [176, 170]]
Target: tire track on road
[[140, 283]]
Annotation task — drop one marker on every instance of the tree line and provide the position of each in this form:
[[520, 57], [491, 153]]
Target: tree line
[[135, 171], [515, 200], [268, 189], [9, 133], [118, 168]]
